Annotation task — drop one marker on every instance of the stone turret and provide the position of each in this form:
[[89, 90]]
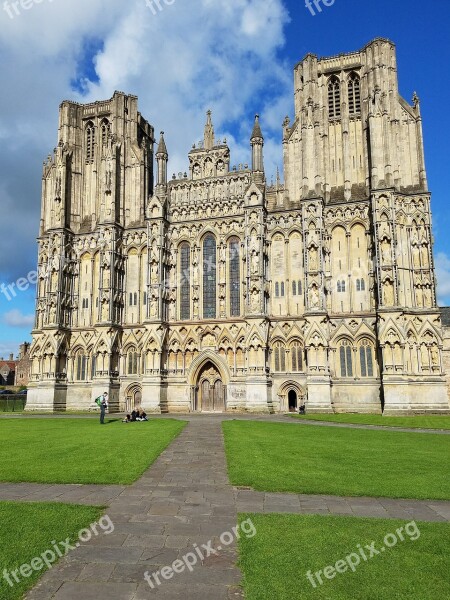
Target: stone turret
[[162, 158], [257, 143]]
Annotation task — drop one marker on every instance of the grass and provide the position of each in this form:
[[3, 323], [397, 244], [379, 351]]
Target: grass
[[416, 422], [27, 530], [275, 561], [278, 457], [81, 450]]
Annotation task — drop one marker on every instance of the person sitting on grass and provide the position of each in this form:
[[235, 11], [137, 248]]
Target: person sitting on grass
[[127, 419], [134, 415], [142, 415]]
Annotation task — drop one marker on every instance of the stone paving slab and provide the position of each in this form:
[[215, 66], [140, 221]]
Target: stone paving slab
[[95, 495], [386, 508]]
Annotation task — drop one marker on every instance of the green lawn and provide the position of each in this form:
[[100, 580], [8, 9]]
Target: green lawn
[[278, 457], [275, 562], [81, 450], [418, 422], [27, 530]]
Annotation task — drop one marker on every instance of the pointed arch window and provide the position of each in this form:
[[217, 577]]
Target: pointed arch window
[[297, 357], [341, 286], [279, 358], [354, 94], [185, 285], [366, 358], [132, 362], [90, 142], [334, 98], [294, 288], [209, 277], [106, 130], [81, 366], [235, 285], [346, 359]]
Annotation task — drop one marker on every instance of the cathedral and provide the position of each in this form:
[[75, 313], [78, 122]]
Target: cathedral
[[218, 291]]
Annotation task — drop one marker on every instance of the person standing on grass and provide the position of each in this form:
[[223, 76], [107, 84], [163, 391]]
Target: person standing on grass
[[103, 407]]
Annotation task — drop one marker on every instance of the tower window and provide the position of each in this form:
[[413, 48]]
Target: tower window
[[90, 142], [334, 98], [354, 94], [106, 130]]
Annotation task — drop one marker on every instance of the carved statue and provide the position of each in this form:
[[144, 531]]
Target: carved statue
[[386, 251], [255, 301], [154, 273], [388, 293], [255, 262], [105, 310], [434, 356], [106, 277], [419, 296], [425, 256], [416, 256], [428, 297], [314, 297], [313, 256]]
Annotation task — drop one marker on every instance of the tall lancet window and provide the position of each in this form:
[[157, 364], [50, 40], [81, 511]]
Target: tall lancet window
[[209, 278], [106, 130], [354, 94], [334, 98], [90, 142], [235, 279], [185, 282]]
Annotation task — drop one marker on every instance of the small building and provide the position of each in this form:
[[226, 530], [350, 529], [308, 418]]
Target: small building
[[23, 365], [7, 371]]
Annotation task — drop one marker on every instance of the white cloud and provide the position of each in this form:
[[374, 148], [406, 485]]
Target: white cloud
[[14, 318], [442, 263], [191, 56]]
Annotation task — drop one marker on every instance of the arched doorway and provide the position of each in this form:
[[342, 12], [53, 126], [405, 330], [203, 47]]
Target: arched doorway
[[133, 397], [292, 396], [292, 401], [210, 391]]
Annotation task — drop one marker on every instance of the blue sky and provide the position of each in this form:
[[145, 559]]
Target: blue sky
[[233, 57]]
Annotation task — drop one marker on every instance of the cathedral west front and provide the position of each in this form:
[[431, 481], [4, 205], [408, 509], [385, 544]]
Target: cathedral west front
[[217, 291]]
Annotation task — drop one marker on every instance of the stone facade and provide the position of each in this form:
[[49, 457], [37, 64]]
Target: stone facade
[[216, 291]]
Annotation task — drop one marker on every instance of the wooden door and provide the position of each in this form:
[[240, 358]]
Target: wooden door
[[219, 396], [207, 399]]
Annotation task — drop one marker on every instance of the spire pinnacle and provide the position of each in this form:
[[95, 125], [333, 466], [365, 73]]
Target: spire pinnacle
[[162, 149], [257, 133], [208, 141]]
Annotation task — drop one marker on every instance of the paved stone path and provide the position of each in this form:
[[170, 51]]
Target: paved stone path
[[184, 499]]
